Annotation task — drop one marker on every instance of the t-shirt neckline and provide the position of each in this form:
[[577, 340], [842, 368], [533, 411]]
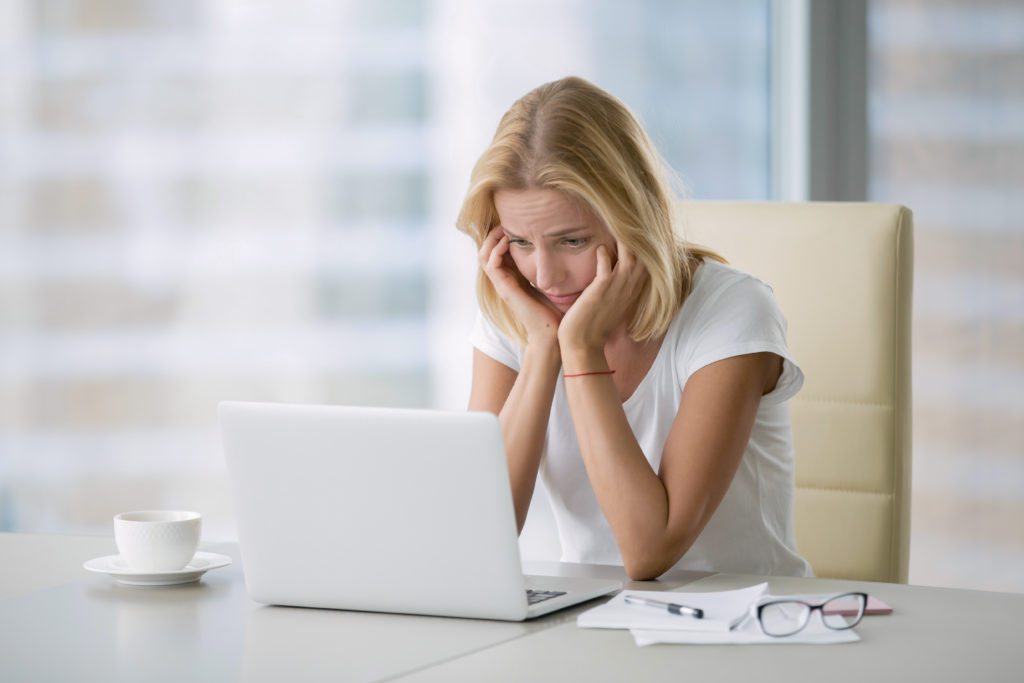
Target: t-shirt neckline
[[658, 358]]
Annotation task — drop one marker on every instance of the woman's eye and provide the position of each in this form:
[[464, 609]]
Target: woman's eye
[[517, 241], [575, 242]]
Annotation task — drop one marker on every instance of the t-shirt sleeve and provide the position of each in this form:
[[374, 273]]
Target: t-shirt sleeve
[[743, 318], [491, 341]]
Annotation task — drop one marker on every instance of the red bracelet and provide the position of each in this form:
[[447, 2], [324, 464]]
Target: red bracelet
[[598, 372]]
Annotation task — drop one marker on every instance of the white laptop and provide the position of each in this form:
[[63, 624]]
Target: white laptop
[[382, 510]]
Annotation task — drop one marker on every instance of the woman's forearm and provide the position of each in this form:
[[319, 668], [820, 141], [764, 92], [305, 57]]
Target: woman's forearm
[[632, 496], [524, 420], [656, 516]]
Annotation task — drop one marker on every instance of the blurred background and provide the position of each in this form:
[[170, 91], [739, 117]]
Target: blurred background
[[224, 199]]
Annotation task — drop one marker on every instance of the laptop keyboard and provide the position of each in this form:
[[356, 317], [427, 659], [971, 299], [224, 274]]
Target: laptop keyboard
[[533, 596]]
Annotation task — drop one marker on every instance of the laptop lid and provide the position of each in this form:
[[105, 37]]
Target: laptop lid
[[377, 509]]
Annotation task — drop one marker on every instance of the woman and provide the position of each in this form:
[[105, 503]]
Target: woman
[[642, 378]]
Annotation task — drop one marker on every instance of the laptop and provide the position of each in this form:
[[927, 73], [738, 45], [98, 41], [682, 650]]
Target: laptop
[[382, 510]]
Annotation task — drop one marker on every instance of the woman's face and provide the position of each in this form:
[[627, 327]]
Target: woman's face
[[552, 240]]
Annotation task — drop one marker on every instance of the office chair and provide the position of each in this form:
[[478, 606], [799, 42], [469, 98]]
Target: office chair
[[843, 275]]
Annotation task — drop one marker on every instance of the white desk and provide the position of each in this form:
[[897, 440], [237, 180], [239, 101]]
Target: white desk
[[59, 622]]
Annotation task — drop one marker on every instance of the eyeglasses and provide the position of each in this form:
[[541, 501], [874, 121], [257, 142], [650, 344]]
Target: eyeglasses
[[784, 617]]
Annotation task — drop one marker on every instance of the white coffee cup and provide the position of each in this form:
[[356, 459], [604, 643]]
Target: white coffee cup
[[157, 540]]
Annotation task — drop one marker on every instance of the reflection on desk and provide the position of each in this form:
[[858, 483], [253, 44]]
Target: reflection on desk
[[292, 643]]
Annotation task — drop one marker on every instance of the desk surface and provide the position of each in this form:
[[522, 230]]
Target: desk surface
[[59, 622]]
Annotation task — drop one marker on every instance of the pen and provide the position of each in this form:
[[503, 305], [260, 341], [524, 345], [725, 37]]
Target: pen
[[670, 607]]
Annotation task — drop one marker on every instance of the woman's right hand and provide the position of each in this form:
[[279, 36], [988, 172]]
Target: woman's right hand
[[536, 314]]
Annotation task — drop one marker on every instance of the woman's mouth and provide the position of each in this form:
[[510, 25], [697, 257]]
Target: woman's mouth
[[562, 300]]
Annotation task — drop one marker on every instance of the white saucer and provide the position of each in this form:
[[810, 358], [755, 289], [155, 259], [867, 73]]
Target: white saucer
[[114, 566]]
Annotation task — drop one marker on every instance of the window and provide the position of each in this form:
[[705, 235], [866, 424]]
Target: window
[[946, 114], [203, 200]]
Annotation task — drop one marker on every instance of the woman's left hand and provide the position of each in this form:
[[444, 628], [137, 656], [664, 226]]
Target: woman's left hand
[[603, 305]]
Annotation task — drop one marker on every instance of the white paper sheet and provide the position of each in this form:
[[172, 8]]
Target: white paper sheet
[[749, 632], [722, 609], [728, 619]]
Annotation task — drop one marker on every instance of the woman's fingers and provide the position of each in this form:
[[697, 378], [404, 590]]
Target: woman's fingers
[[497, 255], [604, 263], [492, 259], [537, 315], [630, 274], [626, 260], [492, 256], [488, 245], [625, 255], [618, 274]]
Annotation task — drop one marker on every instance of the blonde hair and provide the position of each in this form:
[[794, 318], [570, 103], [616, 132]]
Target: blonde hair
[[575, 138]]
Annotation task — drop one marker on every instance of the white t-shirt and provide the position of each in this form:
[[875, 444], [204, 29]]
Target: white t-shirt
[[728, 313]]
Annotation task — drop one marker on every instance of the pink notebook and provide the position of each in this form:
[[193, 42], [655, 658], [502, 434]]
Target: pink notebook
[[874, 606]]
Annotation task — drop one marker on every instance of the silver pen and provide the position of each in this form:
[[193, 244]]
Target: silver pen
[[670, 607]]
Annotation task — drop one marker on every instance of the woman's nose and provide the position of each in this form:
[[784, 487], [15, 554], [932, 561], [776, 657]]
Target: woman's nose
[[549, 272]]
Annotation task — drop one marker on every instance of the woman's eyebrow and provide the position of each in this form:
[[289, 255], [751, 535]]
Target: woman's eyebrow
[[568, 231], [556, 234]]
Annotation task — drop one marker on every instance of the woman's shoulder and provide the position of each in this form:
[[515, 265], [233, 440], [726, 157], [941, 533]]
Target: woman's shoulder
[[724, 300], [716, 282], [492, 341], [729, 313], [714, 276]]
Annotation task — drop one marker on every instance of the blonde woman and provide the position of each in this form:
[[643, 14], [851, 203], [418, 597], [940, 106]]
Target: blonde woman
[[643, 379]]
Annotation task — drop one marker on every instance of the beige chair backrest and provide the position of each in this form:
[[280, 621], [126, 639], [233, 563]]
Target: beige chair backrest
[[843, 274]]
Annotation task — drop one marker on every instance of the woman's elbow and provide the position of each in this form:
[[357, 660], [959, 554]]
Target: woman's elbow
[[641, 574], [646, 568], [647, 564]]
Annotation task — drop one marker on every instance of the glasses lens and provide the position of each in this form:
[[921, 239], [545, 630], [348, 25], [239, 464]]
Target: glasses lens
[[783, 618], [843, 611]]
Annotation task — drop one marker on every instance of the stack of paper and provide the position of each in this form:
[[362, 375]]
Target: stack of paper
[[727, 619]]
